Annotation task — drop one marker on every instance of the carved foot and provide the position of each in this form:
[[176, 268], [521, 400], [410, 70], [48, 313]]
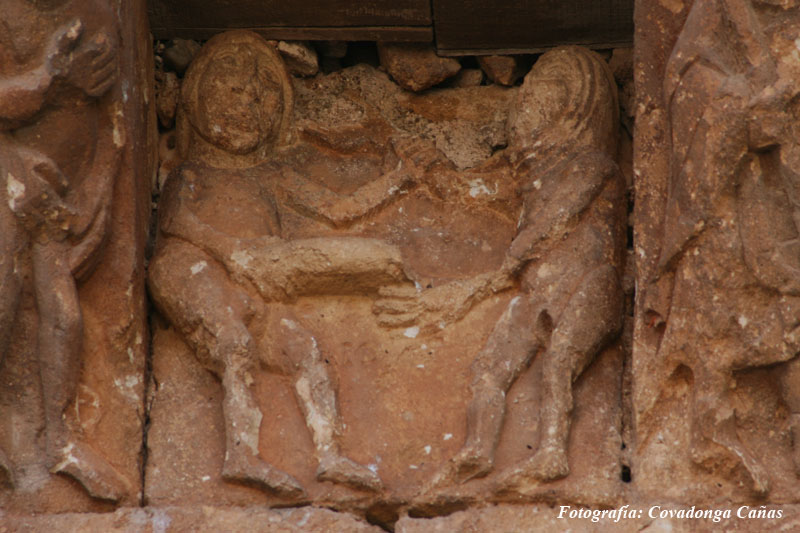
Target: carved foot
[[98, 477], [343, 471], [469, 463], [548, 464], [251, 470], [6, 470], [759, 476], [704, 456]]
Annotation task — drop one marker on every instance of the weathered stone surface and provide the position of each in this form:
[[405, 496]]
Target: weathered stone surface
[[77, 151], [621, 65], [715, 341], [322, 339], [505, 70], [529, 518], [468, 77], [201, 518], [300, 57], [467, 125], [168, 89], [416, 67]]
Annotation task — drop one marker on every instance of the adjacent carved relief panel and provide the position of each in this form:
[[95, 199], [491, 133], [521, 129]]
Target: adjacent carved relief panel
[[355, 317], [75, 166], [716, 223]]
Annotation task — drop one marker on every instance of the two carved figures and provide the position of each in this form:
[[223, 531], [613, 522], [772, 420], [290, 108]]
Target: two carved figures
[[227, 271]]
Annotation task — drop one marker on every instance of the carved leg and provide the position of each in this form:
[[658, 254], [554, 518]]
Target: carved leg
[[11, 240], [715, 420], [591, 318], [243, 417], [60, 336], [508, 351], [317, 398], [195, 293]]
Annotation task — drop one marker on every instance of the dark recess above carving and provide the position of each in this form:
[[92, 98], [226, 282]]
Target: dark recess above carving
[[456, 26]]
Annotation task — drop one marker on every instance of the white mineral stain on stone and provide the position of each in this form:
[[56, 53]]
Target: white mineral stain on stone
[[412, 332], [478, 187], [427, 449], [127, 387], [241, 258], [288, 323], [205, 478], [373, 468], [448, 436], [198, 267], [130, 355], [743, 321], [15, 190], [544, 270]]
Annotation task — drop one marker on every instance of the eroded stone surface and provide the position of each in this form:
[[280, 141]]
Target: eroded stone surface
[[416, 67], [504, 70], [715, 345], [323, 320], [201, 518], [75, 159]]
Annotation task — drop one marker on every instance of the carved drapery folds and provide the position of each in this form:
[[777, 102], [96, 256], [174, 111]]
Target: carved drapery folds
[[717, 250]]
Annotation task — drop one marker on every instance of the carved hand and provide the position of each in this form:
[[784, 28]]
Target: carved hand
[[431, 309], [35, 194], [416, 154], [93, 66]]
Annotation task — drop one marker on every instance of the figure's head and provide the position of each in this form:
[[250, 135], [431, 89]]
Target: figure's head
[[569, 97], [236, 97]]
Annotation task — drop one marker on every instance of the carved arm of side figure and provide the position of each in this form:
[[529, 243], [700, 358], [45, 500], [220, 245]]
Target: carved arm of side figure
[[563, 198], [341, 210], [284, 270], [23, 95]]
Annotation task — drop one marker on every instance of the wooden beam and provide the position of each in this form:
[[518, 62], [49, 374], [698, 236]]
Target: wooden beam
[[470, 26], [419, 34]]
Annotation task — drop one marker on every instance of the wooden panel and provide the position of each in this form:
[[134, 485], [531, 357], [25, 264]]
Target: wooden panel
[[413, 34], [470, 26], [168, 17]]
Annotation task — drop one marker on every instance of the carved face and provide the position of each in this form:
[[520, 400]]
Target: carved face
[[240, 103], [540, 102], [567, 99]]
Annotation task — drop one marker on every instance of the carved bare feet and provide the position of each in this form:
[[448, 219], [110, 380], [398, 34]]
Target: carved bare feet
[[549, 463], [341, 470], [705, 455], [98, 477], [251, 470], [469, 463]]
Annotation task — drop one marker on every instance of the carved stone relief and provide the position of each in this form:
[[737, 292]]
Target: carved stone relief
[[716, 333], [349, 316], [72, 335]]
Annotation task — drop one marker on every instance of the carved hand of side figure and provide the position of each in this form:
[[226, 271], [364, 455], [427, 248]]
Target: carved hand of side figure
[[93, 66], [35, 194], [417, 155]]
